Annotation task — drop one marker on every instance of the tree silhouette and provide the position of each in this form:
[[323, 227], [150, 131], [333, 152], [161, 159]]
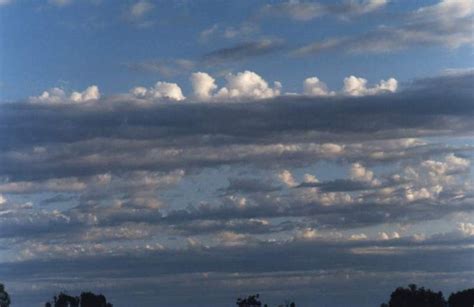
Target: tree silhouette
[[65, 300], [86, 299], [4, 297], [415, 297], [463, 298], [250, 301], [89, 299]]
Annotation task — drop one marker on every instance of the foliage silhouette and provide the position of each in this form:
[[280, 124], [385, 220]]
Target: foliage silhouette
[[86, 299], [415, 297], [463, 298], [254, 301], [4, 297], [250, 301]]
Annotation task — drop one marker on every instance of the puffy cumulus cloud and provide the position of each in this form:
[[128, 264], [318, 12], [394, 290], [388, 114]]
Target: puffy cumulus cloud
[[160, 91], [57, 95], [414, 194], [90, 93], [287, 178], [355, 86], [432, 177], [359, 173], [443, 171], [308, 178], [247, 84], [466, 229], [2, 200], [314, 87], [203, 86], [243, 85], [383, 236], [54, 95]]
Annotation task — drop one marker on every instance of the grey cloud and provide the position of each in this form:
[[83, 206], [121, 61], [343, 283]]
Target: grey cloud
[[305, 265], [43, 142], [244, 50], [166, 68], [82, 141], [308, 10], [445, 24], [246, 185]]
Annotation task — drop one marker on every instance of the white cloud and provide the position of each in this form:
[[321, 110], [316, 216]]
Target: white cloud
[[57, 95], [243, 85], [366, 6], [447, 23], [203, 86], [431, 177], [388, 236], [2, 200], [54, 95], [90, 93], [308, 178], [70, 184], [230, 238], [307, 234], [360, 173], [160, 91], [358, 237], [305, 10], [314, 87], [413, 194], [466, 229], [287, 178], [355, 86], [247, 84]]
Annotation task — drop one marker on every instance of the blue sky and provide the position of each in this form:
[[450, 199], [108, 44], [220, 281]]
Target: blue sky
[[76, 44], [305, 150]]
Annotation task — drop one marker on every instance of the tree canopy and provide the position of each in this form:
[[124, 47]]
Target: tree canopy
[[463, 298], [4, 297], [86, 299]]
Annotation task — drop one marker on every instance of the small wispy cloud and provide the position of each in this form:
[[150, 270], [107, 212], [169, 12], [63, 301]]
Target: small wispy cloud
[[447, 23], [305, 11], [60, 3], [244, 50], [138, 13]]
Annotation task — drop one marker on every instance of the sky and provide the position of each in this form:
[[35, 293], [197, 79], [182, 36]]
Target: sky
[[187, 153]]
